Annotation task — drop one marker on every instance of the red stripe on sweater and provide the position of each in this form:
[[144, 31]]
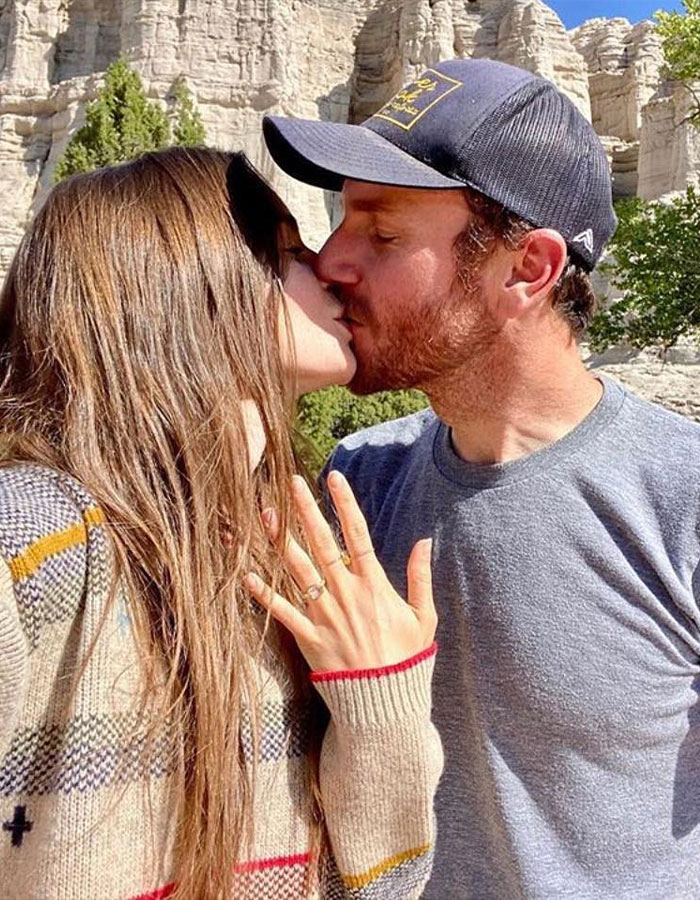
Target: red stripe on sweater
[[380, 672], [257, 865], [159, 893]]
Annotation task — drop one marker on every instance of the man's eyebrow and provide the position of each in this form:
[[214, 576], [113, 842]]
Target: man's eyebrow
[[371, 205]]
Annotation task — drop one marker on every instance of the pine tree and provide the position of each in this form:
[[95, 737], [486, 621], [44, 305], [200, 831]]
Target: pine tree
[[188, 130], [121, 124]]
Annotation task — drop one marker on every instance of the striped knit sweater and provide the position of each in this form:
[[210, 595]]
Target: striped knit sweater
[[84, 818]]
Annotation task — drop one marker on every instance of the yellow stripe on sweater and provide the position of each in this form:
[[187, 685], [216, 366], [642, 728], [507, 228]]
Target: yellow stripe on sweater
[[26, 563], [360, 881]]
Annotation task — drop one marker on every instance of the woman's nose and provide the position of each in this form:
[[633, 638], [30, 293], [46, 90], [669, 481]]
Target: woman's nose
[[308, 257]]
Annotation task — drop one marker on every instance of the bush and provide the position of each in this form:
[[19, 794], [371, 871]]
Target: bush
[[327, 416], [680, 36], [656, 265]]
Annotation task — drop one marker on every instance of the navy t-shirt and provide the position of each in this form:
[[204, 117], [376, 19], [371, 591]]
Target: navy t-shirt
[[566, 687]]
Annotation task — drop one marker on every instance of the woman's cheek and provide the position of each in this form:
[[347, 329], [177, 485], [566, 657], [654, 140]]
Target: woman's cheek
[[301, 338]]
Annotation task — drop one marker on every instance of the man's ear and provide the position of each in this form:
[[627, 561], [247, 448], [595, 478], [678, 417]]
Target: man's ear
[[533, 270]]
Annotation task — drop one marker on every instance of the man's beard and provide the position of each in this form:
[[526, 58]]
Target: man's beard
[[429, 342]]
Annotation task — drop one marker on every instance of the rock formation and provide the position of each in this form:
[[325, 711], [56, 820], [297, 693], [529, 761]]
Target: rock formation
[[334, 59], [669, 158], [337, 60], [639, 115], [241, 58], [400, 39]]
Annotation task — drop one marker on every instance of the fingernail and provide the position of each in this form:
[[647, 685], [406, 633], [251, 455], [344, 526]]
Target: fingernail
[[251, 581], [335, 478], [268, 517]]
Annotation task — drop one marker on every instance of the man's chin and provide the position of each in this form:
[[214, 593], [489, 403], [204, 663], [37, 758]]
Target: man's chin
[[366, 381], [360, 388]]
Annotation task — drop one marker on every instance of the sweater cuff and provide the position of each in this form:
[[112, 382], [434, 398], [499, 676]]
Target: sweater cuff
[[379, 696]]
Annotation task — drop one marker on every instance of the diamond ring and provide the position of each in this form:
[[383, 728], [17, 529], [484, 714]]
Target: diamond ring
[[314, 591]]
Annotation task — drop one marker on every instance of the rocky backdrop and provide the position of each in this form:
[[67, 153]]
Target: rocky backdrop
[[337, 60]]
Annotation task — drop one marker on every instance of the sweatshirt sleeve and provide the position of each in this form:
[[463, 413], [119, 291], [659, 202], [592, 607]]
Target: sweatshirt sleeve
[[380, 764], [13, 660]]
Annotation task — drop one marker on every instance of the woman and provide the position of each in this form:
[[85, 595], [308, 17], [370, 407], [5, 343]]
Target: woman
[[159, 735]]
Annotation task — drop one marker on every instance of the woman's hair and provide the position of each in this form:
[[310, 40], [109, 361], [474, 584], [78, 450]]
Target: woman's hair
[[572, 295], [141, 309]]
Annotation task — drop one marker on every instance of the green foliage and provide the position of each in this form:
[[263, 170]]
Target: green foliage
[[188, 130], [656, 266], [119, 125], [329, 415], [122, 123], [680, 35], [656, 251]]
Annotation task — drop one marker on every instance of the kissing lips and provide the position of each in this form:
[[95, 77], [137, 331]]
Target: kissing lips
[[351, 320], [345, 324]]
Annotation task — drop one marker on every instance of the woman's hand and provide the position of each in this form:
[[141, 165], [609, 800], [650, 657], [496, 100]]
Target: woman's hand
[[353, 619]]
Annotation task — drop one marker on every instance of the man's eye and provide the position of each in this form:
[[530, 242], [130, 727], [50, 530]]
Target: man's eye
[[384, 238]]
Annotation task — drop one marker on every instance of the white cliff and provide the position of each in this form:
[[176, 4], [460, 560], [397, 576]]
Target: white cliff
[[337, 60], [333, 59], [641, 117]]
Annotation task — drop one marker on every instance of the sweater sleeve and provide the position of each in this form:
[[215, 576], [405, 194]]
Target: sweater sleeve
[[380, 764], [13, 660]]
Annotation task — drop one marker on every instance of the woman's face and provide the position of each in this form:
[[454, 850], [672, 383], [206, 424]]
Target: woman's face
[[320, 336]]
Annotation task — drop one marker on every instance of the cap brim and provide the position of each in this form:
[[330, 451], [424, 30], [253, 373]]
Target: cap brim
[[324, 154]]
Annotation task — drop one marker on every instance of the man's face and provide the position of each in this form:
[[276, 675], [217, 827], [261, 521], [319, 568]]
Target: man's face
[[392, 262]]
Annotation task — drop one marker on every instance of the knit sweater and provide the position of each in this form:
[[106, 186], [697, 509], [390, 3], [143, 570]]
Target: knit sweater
[[87, 816]]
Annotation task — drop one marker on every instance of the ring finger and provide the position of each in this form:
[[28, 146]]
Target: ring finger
[[321, 540], [304, 572]]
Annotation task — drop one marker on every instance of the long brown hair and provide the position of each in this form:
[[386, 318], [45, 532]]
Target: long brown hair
[[135, 319]]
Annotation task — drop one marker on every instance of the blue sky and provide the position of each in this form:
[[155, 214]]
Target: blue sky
[[573, 12]]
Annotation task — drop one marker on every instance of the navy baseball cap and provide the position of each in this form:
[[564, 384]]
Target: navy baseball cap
[[505, 132]]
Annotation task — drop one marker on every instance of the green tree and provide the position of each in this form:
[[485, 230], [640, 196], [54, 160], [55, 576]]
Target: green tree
[[680, 35], [120, 124], [329, 415], [188, 128], [656, 266]]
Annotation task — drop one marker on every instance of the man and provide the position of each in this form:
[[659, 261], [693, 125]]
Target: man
[[564, 511]]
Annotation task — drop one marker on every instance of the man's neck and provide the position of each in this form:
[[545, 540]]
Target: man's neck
[[514, 407]]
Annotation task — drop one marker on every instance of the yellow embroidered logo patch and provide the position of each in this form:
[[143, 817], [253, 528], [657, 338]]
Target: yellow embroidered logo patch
[[416, 99]]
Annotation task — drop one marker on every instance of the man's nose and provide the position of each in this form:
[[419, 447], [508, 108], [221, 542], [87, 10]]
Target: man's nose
[[335, 262]]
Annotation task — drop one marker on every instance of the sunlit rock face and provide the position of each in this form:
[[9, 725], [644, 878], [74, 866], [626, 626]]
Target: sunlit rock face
[[398, 40], [641, 117], [331, 59], [241, 59], [337, 60]]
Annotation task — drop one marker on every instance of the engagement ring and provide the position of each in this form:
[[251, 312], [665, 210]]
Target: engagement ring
[[315, 591]]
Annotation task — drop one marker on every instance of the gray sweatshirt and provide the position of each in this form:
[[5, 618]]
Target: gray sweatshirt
[[568, 669]]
